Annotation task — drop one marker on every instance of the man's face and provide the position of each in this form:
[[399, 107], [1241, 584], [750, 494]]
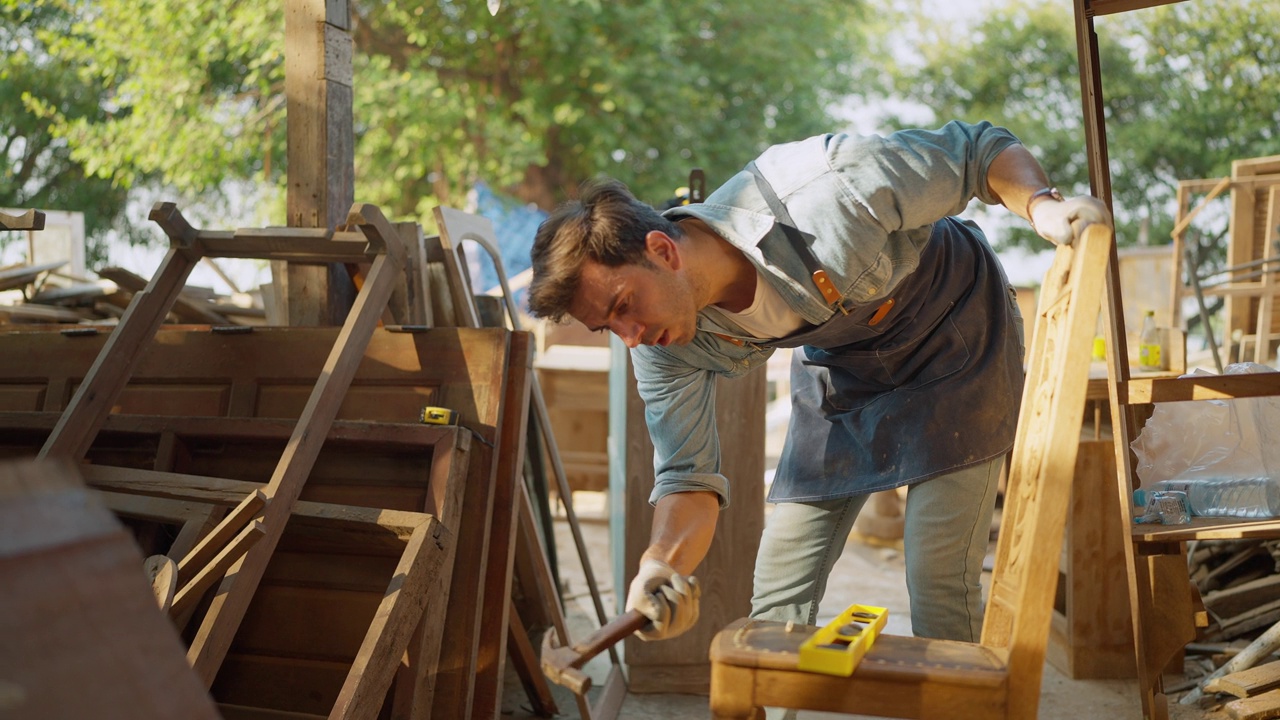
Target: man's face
[[642, 304]]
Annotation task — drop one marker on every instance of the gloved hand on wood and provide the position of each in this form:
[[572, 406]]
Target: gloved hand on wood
[[1052, 218], [667, 598]]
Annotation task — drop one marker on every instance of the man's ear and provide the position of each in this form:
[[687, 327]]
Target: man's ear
[[662, 249]]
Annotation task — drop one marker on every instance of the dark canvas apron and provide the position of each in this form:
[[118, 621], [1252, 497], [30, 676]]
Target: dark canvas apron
[[930, 387]]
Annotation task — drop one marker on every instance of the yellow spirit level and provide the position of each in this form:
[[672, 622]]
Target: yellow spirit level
[[838, 647]]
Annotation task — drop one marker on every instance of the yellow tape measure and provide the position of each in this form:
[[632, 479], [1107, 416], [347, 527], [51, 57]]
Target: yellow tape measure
[[438, 416], [838, 647]]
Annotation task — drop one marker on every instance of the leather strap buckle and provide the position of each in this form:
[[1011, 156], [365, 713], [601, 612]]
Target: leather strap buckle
[[828, 290]]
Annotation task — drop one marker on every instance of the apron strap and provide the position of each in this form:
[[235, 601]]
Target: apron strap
[[816, 272]]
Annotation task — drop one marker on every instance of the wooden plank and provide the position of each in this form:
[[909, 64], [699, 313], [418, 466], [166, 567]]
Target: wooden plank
[[492, 652], [187, 309], [303, 685], [415, 688], [388, 637], [451, 693], [1107, 7], [1093, 636], [1266, 303], [217, 567], [1043, 462], [159, 496], [228, 528], [1260, 707], [82, 636], [456, 226], [20, 275], [305, 245], [40, 313], [1247, 683], [1199, 387], [1242, 597]]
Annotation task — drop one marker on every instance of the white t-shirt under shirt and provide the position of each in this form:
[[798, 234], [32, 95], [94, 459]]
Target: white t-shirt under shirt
[[769, 317]]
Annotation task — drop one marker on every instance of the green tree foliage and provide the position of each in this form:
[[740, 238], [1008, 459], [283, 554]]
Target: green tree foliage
[[37, 167], [533, 101], [545, 95], [1188, 88]]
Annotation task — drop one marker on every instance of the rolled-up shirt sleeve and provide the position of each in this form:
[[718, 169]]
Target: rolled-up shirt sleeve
[[913, 178], [680, 412]]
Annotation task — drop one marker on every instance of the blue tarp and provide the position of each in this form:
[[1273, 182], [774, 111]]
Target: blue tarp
[[515, 224]]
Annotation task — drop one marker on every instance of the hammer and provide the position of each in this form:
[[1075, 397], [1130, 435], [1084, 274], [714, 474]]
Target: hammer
[[562, 665]]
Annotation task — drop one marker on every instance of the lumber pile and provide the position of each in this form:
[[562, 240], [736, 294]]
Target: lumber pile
[[1233, 664], [319, 550], [43, 294]]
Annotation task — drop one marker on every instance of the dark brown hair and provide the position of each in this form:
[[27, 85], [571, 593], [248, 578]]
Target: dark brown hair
[[606, 224]]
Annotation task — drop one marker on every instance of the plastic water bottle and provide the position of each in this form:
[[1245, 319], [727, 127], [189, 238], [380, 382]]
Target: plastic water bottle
[[1253, 497]]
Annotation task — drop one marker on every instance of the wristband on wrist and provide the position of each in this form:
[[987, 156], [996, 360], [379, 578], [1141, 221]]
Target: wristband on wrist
[[1042, 192]]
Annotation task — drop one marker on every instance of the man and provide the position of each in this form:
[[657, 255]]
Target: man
[[907, 367]]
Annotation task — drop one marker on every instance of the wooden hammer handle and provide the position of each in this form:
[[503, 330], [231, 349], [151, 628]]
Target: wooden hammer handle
[[604, 638]]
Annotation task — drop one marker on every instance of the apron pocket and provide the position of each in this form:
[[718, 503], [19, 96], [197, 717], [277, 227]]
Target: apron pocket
[[854, 379]]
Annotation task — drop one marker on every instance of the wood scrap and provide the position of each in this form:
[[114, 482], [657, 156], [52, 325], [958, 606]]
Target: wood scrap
[[1266, 644], [39, 313], [22, 275], [1261, 707], [29, 220], [185, 307], [1247, 683]]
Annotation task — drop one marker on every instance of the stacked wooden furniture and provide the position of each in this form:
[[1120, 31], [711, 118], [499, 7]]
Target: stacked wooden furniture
[[755, 663], [1163, 605], [455, 228], [359, 537]]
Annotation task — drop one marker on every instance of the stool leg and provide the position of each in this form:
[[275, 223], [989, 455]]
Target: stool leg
[[732, 693]]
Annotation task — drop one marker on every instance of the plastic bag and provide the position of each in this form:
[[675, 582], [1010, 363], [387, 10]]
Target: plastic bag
[[1236, 438]]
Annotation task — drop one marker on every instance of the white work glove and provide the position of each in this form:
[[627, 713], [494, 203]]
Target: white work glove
[[1052, 218], [667, 598]]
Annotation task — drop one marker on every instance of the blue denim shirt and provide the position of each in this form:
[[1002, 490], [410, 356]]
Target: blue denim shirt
[[868, 202]]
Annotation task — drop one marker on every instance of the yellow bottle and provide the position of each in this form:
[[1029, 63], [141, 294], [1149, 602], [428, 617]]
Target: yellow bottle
[[1149, 355]]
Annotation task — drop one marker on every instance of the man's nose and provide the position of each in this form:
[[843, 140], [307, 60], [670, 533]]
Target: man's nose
[[630, 332]]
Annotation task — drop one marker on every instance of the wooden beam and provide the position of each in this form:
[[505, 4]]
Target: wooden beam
[[492, 655], [1107, 7], [1199, 387], [388, 638], [321, 156]]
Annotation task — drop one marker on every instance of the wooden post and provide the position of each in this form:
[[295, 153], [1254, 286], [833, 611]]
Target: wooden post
[[680, 665], [321, 155]]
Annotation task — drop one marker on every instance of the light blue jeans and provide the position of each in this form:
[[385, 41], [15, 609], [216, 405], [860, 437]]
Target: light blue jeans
[[947, 528]]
